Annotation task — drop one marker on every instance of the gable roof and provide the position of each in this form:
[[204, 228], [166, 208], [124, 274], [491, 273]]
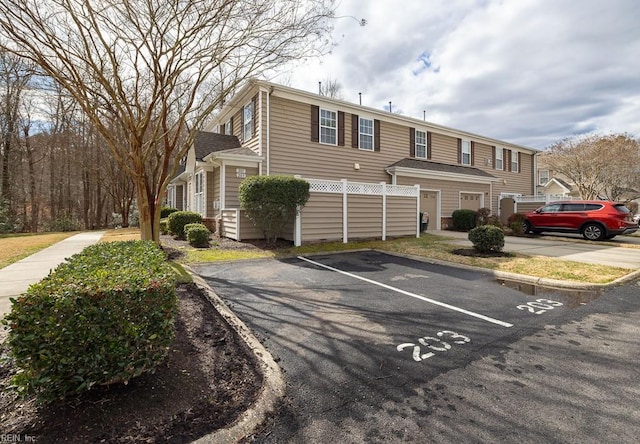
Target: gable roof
[[206, 143], [427, 165]]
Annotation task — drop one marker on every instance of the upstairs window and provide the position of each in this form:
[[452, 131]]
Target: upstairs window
[[228, 128], [199, 193], [465, 157], [499, 158], [247, 122], [366, 134], [328, 127], [514, 161], [421, 144], [543, 177]]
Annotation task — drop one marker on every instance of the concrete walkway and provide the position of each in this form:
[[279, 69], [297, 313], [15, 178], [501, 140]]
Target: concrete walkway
[[16, 278], [570, 248]]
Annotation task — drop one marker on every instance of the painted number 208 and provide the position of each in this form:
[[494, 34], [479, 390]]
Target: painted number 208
[[435, 344], [539, 306]]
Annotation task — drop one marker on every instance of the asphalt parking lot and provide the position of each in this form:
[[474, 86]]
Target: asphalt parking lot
[[380, 348]]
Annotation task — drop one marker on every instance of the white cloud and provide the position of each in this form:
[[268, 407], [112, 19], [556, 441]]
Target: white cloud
[[528, 71]]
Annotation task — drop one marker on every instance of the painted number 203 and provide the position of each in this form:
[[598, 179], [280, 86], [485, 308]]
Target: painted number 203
[[435, 344], [539, 306]]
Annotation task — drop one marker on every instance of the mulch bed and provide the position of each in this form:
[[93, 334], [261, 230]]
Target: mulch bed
[[472, 252], [207, 380]]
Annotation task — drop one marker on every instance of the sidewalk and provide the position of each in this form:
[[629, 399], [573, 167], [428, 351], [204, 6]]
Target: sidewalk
[[16, 278]]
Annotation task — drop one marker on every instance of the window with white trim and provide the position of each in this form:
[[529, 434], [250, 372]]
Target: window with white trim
[[543, 177], [228, 130], [465, 155], [421, 144], [199, 193], [365, 134], [247, 121], [328, 127], [514, 161], [499, 158]]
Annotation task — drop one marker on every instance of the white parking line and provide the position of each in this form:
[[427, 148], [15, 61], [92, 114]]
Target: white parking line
[[413, 295]]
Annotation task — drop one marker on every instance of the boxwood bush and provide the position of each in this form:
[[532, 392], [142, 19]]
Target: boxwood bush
[[166, 211], [179, 219], [463, 220], [487, 238], [164, 226], [103, 317], [516, 223], [197, 234]]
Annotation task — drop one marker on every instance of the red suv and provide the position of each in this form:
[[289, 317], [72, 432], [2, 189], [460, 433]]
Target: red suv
[[594, 219]]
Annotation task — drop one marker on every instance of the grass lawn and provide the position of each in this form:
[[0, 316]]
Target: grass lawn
[[14, 247]]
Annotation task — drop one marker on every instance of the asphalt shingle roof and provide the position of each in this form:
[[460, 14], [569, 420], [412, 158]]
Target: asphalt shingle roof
[[428, 165], [206, 143]]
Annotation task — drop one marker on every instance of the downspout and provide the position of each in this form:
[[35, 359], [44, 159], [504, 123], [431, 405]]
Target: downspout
[[268, 156]]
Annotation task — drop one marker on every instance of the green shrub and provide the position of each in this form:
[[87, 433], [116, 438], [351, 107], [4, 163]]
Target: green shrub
[[271, 202], [494, 220], [482, 216], [179, 219], [487, 238], [463, 220], [164, 226], [515, 222], [197, 234], [103, 317], [166, 211]]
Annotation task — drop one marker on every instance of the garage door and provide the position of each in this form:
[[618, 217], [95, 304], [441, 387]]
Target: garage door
[[470, 201]]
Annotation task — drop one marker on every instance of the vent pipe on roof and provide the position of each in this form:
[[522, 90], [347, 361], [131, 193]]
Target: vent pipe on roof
[[360, 97], [320, 88], [424, 115], [389, 105]]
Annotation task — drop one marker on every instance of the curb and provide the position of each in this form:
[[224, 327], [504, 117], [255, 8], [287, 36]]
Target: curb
[[544, 282], [273, 385]]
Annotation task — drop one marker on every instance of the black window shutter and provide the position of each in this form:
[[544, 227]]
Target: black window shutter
[[376, 135], [493, 157], [412, 142], [315, 123], [509, 160], [242, 123], [355, 131], [341, 128], [429, 145], [222, 128], [473, 152], [459, 150], [519, 161], [231, 126]]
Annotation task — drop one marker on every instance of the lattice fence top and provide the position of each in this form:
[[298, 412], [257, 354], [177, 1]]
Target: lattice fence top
[[371, 189]]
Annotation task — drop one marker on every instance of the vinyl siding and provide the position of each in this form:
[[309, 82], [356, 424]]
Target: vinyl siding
[[292, 151], [232, 183], [322, 218], [216, 187], [247, 229], [364, 216], [402, 216], [444, 149]]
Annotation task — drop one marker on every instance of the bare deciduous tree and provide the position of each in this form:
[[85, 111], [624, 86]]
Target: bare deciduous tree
[[331, 88], [157, 68], [604, 167]]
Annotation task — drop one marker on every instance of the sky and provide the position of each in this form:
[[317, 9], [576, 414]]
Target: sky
[[530, 72]]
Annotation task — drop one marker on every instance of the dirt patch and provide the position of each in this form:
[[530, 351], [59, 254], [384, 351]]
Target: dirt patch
[[472, 252], [207, 380]]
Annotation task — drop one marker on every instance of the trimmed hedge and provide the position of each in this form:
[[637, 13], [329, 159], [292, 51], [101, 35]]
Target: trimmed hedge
[[464, 220], [166, 211], [271, 202], [103, 317], [179, 219], [197, 234], [164, 226], [487, 238]]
